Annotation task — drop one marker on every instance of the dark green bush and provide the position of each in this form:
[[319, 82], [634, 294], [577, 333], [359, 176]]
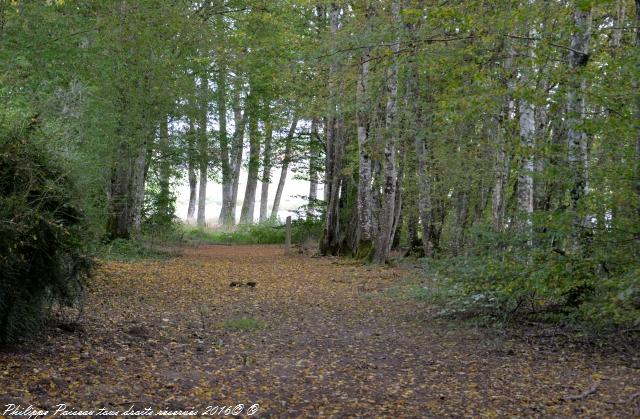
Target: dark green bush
[[599, 288], [43, 259]]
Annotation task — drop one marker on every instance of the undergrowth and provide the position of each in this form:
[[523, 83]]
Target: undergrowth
[[269, 232], [596, 291]]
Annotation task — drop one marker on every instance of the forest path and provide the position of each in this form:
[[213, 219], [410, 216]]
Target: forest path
[[315, 337]]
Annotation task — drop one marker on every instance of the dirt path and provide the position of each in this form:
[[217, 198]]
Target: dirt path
[[313, 338]]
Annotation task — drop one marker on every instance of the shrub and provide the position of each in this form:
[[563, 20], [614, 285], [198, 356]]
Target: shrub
[[597, 289], [130, 250], [43, 258]]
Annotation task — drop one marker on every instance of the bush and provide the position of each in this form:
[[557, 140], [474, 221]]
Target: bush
[[598, 289], [43, 258], [128, 250]]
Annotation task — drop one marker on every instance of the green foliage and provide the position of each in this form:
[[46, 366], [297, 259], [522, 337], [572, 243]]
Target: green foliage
[[509, 280], [263, 233], [130, 250], [43, 248], [269, 232]]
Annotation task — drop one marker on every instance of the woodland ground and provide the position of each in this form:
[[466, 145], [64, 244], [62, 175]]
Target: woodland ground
[[315, 337]]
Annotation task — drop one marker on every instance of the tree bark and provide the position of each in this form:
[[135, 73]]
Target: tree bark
[[126, 191], [193, 177], [423, 174], [525, 175], [388, 210], [230, 188], [119, 218], [249, 202], [616, 35], [498, 206], [503, 159], [397, 220], [266, 169], [221, 99], [577, 138], [137, 189], [637, 110], [331, 240], [460, 222], [365, 230], [313, 172], [237, 165], [285, 167], [203, 150], [164, 201]]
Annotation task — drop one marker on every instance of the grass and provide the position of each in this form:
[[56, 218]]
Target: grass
[[242, 323], [269, 232], [157, 244], [264, 233]]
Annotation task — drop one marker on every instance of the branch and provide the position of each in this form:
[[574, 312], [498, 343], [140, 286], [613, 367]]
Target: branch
[[584, 394]]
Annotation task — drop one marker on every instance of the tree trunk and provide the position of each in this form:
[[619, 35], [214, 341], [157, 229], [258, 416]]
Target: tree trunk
[[503, 160], [331, 241], [164, 201], [193, 178], [237, 165], [397, 221], [249, 202], [365, 202], [230, 187], [313, 172], [525, 175], [285, 167], [387, 215], [327, 163], [460, 222], [637, 111], [2, 16], [221, 99], [203, 150], [577, 153], [119, 218], [266, 169], [616, 35], [137, 189], [126, 191], [541, 141]]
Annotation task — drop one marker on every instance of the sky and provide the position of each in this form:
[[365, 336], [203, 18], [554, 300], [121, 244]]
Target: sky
[[293, 188]]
